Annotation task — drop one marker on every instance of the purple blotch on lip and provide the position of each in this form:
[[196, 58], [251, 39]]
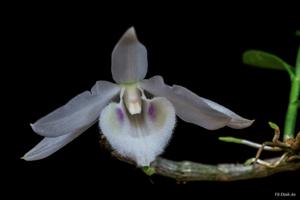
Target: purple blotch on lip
[[151, 111], [120, 114]]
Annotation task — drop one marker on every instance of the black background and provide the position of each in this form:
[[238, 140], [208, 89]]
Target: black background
[[57, 52]]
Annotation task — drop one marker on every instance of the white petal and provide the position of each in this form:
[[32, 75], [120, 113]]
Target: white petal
[[140, 137], [49, 146], [194, 109], [236, 121], [81, 111], [129, 59]]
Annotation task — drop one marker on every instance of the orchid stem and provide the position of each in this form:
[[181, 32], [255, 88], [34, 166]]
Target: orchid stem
[[248, 143], [292, 111], [192, 171]]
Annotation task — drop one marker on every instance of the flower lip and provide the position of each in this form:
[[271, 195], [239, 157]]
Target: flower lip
[[139, 137]]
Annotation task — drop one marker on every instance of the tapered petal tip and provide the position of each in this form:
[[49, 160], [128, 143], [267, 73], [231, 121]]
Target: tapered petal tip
[[32, 127], [130, 34], [38, 128], [26, 157], [240, 123]]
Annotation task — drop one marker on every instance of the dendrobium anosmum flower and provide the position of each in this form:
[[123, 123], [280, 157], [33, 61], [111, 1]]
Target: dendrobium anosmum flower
[[136, 115]]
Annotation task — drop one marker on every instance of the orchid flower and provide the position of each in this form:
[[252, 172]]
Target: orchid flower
[[136, 115]]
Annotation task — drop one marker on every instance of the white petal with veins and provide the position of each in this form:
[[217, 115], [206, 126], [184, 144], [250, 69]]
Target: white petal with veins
[[194, 109], [129, 59], [236, 121], [140, 137], [50, 145], [82, 110]]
